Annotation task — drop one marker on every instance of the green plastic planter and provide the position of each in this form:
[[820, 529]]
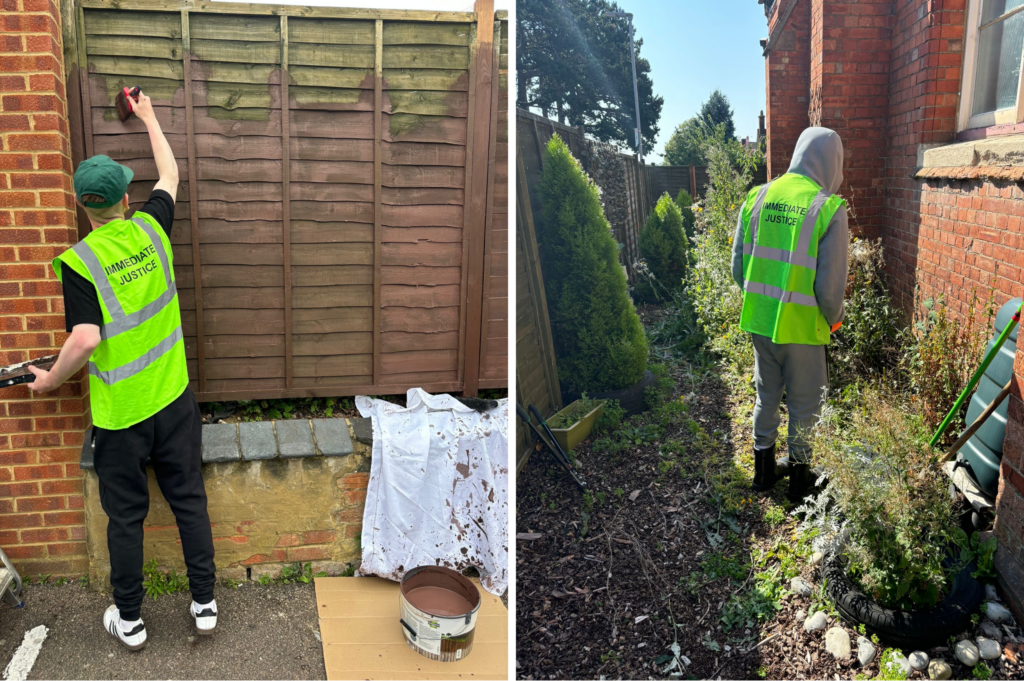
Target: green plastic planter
[[570, 437]]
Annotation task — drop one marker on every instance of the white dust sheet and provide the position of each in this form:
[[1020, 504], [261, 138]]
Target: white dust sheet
[[438, 490]]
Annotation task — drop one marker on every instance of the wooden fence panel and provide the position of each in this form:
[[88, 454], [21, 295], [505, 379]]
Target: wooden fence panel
[[320, 220], [536, 372]]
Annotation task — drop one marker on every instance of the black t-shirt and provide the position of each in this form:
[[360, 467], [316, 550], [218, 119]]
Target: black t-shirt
[[81, 300]]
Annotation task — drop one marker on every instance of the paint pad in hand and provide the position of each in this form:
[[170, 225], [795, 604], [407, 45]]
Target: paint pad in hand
[[16, 374]]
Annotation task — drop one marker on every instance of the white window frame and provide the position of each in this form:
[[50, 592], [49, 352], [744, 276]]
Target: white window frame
[[1009, 115]]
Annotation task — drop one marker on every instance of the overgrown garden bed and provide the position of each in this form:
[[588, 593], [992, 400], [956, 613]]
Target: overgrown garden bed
[[669, 566]]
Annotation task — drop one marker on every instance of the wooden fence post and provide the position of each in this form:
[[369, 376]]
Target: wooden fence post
[[476, 201], [378, 118], [193, 199], [286, 209]]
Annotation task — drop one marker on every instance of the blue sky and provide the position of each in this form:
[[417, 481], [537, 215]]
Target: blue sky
[[695, 46]]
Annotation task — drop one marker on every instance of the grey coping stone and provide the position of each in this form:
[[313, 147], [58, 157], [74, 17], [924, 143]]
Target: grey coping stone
[[332, 438], [220, 443], [363, 430], [294, 438], [257, 440]]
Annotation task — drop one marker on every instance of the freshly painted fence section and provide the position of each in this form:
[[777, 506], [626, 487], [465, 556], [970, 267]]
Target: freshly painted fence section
[[325, 234]]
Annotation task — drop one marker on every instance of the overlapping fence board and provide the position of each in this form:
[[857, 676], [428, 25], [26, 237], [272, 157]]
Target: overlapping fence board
[[320, 219]]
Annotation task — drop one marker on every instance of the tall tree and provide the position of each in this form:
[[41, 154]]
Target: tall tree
[[573, 64], [717, 111], [715, 119]]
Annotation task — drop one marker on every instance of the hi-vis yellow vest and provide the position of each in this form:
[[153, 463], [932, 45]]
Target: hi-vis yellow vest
[[139, 366], [783, 221]]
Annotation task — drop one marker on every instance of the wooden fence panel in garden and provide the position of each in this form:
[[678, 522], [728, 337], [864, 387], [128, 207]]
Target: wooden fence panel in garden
[[633, 188], [341, 187], [536, 373]]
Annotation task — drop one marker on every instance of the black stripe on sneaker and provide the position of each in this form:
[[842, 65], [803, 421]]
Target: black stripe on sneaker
[[206, 612], [138, 628]]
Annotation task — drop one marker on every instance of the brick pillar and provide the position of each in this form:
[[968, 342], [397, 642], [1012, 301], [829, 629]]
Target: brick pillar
[[924, 86], [850, 64], [42, 524], [787, 79]]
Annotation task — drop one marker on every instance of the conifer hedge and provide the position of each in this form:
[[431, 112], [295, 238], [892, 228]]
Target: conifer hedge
[[599, 342], [685, 203], [665, 249]]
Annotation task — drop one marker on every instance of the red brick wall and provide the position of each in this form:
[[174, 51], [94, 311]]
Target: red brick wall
[[41, 518], [787, 78], [924, 85], [850, 55]]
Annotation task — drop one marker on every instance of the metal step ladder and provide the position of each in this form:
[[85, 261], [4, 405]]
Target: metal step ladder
[[10, 582]]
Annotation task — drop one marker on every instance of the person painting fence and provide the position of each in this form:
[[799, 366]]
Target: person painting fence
[[121, 309], [790, 257]]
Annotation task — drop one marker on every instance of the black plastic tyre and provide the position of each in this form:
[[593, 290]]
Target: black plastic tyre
[[631, 399], [909, 630]]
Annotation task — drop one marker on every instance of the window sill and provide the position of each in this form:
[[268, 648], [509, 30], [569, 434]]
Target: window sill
[[990, 131], [995, 158]]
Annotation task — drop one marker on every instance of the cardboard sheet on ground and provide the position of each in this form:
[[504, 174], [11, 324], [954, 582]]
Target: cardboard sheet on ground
[[362, 636]]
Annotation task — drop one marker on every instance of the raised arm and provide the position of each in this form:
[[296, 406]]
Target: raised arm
[[166, 166]]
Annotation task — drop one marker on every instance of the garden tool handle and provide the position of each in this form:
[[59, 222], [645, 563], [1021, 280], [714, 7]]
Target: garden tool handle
[[536, 413], [978, 423], [835, 327], [522, 414], [1010, 326]]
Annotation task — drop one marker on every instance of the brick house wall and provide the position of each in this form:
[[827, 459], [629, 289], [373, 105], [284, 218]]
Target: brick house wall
[[787, 83], [886, 75], [42, 522]]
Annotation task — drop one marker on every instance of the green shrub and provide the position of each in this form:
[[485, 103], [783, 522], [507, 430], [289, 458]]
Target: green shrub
[[665, 250], [599, 342], [717, 300], [685, 203], [870, 344], [886, 487]]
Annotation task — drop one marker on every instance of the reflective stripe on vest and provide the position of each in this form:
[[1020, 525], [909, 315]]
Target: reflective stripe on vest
[[797, 257], [121, 322], [780, 259]]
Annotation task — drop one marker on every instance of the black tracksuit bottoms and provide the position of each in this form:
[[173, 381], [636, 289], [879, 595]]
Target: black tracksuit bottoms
[[171, 439]]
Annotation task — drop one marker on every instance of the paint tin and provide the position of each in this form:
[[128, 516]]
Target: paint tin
[[438, 612]]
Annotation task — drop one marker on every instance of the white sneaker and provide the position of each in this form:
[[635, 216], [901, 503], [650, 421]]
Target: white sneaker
[[132, 640], [205, 617]]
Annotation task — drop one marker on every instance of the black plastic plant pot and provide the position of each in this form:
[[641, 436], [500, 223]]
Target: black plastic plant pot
[[631, 399], [906, 629]]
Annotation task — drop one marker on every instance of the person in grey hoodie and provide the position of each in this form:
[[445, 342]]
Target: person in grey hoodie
[[786, 209]]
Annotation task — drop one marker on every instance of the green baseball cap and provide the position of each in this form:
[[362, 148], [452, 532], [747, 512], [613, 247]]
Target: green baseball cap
[[102, 176]]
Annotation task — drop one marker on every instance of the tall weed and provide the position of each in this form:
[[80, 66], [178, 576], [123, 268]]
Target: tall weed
[[945, 354], [870, 344], [717, 300]]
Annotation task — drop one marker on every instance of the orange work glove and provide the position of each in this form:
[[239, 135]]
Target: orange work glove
[[835, 327]]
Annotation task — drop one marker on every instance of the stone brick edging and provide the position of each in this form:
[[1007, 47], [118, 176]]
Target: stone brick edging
[[261, 440]]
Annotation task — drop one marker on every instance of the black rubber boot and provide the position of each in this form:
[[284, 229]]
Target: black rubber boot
[[765, 475], [801, 480]]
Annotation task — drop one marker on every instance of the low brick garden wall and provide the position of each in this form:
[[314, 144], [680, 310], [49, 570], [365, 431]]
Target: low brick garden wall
[[279, 492]]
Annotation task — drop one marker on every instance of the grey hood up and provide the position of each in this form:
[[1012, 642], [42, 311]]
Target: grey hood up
[[818, 156]]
